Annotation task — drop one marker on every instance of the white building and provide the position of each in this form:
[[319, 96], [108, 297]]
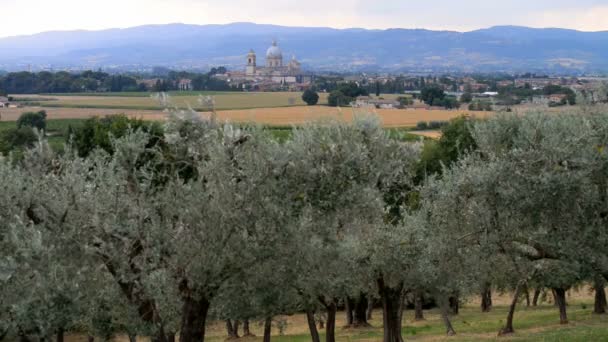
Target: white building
[[275, 69]]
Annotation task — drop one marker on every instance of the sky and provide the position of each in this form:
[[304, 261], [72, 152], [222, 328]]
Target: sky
[[21, 17]]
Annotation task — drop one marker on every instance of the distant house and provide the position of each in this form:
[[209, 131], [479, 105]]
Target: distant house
[[184, 84], [366, 101], [557, 98], [149, 83], [4, 102], [546, 100]]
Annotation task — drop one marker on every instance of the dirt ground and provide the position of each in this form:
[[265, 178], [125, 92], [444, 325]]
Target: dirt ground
[[428, 134], [297, 324]]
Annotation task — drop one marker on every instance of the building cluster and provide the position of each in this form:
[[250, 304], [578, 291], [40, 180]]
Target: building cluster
[[5, 102], [274, 74]]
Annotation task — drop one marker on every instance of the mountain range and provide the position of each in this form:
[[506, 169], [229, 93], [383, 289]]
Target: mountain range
[[500, 48]]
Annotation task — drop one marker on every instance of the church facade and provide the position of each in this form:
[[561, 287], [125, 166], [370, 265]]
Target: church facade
[[275, 69]]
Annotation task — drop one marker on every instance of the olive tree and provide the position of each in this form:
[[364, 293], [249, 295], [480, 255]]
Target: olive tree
[[525, 195]]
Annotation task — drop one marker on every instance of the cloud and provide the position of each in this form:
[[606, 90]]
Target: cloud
[[590, 19]]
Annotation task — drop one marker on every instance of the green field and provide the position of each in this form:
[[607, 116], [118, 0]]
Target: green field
[[145, 101], [57, 131]]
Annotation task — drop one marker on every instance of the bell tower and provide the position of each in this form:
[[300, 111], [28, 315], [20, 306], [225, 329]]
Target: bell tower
[[251, 63]]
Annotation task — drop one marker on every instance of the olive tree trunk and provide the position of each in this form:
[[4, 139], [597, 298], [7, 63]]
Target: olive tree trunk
[[232, 329], [508, 328], [486, 297], [600, 298], [536, 297], [330, 327], [445, 316], [348, 310], [360, 315], [454, 305], [312, 326], [560, 300], [194, 317], [392, 299], [60, 335], [160, 335], [246, 330], [267, 329]]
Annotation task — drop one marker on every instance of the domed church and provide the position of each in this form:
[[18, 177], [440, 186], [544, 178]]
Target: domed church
[[275, 69]]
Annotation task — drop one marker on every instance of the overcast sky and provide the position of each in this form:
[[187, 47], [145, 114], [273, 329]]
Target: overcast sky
[[31, 16]]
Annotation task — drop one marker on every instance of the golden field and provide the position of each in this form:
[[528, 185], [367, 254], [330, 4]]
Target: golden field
[[280, 116]]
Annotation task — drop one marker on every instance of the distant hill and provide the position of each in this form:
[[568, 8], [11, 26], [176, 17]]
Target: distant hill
[[501, 48]]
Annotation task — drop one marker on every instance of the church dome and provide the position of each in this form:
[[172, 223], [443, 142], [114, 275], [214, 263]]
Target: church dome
[[274, 51]]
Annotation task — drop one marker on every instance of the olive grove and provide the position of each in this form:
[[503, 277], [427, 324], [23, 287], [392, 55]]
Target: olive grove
[[161, 233]]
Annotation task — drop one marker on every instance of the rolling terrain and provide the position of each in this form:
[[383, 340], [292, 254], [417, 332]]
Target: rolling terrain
[[502, 48]]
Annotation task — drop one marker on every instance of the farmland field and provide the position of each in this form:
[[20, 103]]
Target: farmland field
[[143, 101], [282, 116], [269, 108]]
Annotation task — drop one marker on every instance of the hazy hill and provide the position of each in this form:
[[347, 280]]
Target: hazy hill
[[502, 48]]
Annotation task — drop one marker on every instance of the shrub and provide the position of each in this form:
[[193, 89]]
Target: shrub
[[405, 101], [17, 138], [437, 124], [422, 125], [337, 98], [310, 97], [33, 120], [96, 132]]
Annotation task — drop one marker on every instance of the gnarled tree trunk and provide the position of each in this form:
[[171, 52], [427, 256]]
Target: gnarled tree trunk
[[560, 300], [232, 329], [486, 297], [194, 317], [246, 331], [508, 328], [60, 335], [330, 327], [267, 329], [348, 310], [600, 298], [536, 297], [392, 299], [360, 316], [314, 334], [446, 319], [132, 338]]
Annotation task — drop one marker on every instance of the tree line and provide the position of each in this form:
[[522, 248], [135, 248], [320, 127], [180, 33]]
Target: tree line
[[98, 81], [156, 230]]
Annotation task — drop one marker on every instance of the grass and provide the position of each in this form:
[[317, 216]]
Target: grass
[[531, 324], [56, 130]]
